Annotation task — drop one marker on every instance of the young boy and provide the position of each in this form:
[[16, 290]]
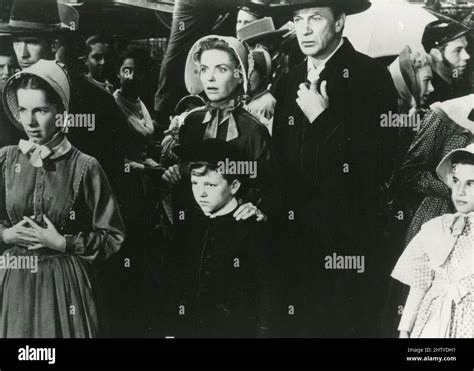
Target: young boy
[[219, 265], [438, 264]]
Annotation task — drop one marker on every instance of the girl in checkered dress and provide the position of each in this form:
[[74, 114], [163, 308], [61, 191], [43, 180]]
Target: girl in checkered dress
[[438, 264]]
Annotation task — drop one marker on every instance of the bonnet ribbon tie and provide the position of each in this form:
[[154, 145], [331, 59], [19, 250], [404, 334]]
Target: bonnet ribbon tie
[[218, 114], [38, 153], [460, 222]]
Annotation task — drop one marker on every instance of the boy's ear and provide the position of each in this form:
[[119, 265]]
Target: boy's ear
[[235, 186]]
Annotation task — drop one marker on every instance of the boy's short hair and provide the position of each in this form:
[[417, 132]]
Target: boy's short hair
[[207, 167]]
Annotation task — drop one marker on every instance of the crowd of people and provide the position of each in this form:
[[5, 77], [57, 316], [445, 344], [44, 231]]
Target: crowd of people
[[283, 184]]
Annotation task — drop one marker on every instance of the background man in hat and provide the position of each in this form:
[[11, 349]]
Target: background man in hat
[[33, 26], [445, 40], [29, 49], [8, 66], [336, 159], [250, 12], [25, 38]]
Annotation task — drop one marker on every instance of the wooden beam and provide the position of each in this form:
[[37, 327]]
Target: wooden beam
[[161, 6]]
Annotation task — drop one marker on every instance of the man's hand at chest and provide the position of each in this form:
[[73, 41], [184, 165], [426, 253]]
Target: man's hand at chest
[[311, 102]]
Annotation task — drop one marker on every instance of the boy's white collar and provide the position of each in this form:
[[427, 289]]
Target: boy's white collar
[[227, 209]]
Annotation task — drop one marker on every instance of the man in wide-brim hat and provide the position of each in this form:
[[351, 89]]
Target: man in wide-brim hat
[[347, 6], [34, 25], [9, 134], [336, 159]]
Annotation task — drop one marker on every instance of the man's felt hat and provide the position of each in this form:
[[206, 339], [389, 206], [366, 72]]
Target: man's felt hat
[[262, 29], [347, 6], [39, 17]]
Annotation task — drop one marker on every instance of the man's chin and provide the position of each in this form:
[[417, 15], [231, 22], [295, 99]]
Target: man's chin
[[309, 52], [25, 65]]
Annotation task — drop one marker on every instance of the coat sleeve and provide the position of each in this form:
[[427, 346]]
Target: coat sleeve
[[4, 220], [107, 231]]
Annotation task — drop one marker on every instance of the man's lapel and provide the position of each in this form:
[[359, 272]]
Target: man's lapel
[[336, 64]]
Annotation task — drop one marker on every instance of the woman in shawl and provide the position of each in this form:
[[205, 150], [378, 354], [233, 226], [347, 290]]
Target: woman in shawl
[[57, 213], [412, 75]]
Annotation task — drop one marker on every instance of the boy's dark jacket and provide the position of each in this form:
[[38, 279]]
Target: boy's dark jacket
[[220, 270]]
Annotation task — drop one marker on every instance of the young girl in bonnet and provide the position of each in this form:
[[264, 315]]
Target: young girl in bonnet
[[57, 212], [438, 264]]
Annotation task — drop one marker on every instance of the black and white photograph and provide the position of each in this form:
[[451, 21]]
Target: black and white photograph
[[267, 170]]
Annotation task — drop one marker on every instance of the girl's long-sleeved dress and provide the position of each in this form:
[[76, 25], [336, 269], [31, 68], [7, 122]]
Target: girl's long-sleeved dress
[[440, 261], [59, 300]]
